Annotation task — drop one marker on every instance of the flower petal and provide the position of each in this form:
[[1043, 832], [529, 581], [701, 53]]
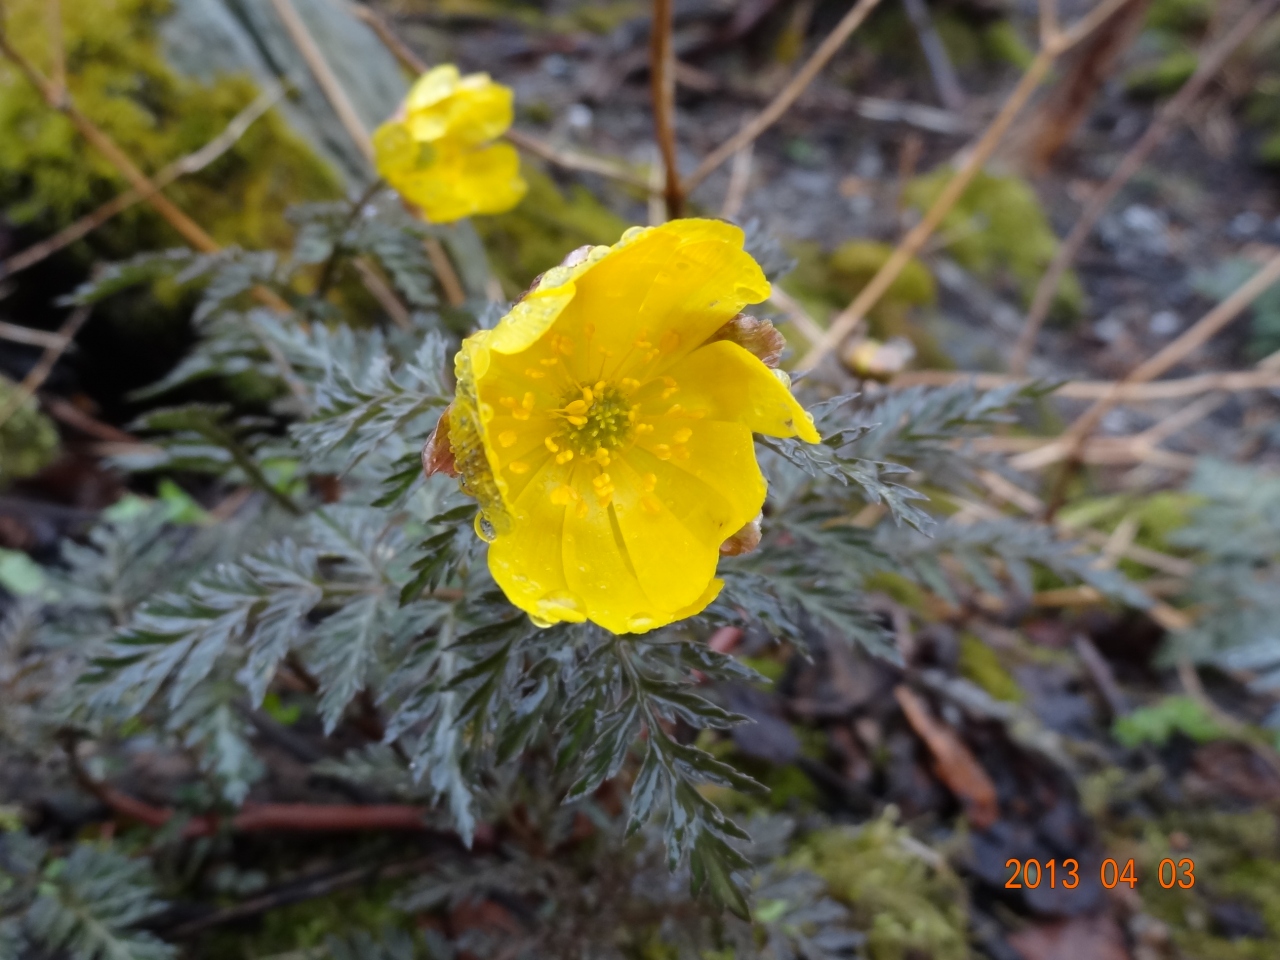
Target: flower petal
[[658, 297], [672, 532], [527, 562], [598, 570], [719, 455], [722, 381]]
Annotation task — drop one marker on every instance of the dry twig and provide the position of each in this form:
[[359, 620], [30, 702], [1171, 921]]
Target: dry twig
[[787, 96], [935, 54], [662, 81], [1066, 446], [191, 163], [1231, 382], [1057, 43], [36, 338], [1210, 62], [44, 366]]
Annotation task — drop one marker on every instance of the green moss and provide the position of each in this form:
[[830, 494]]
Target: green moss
[[907, 907], [1182, 16], [28, 439], [1237, 858], [545, 226], [999, 231], [824, 283], [1162, 76], [119, 80], [1160, 721], [980, 664], [1001, 43]]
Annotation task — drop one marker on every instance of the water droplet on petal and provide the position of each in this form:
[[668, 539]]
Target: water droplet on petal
[[484, 529]]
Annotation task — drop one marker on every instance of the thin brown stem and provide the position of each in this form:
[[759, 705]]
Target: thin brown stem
[[662, 86], [190, 231], [192, 163], [57, 47], [44, 366], [786, 96], [1210, 62], [573, 160], [1173, 353], [450, 282], [1228, 382], [848, 319], [333, 90]]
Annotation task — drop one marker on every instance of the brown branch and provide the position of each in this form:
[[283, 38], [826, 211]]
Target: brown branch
[[68, 413], [662, 87], [739, 180], [573, 160], [786, 97], [944, 76], [44, 366], [192, 163], [1233, 382], [58, 74], [190, 231], [36, 338], [450, 282], [1067, 105], [1211, 61], [324, 75], [399, 49], [1058, 43], [1066, 446]]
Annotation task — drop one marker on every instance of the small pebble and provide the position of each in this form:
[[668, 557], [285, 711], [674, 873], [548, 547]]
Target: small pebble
[[1164, 323]]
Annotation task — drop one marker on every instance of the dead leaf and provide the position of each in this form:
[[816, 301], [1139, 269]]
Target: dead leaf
[[956, 765], [1082, 938], [437, 452]]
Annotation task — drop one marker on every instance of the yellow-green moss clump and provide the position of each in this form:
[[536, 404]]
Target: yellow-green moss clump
[[28, 439], [1000, 232], [118, 78], [908, 908], [826, 282]]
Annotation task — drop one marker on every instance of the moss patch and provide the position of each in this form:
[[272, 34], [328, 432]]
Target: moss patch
[[907, 907], [999, 231]]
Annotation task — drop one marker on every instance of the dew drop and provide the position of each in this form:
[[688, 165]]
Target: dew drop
[[484, 529]]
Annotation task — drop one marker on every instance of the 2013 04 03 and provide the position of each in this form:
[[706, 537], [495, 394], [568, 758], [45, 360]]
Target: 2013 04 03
[[1031, 873]]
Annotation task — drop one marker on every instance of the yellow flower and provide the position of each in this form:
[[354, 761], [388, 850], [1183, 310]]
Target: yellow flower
[[434, 151], [605, 425]]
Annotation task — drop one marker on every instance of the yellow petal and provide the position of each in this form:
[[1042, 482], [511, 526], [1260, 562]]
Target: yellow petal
[[656, 298], [673, 534], [480, 113], [597, 570], [722, 381], [432, 87], [527, 562], [721, 457]]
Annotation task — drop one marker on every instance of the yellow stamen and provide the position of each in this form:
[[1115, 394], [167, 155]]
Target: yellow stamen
[[563, 495], [526, 407], [564, 456], [551, 445], [681, 451], [682, 435], [518, 467], [670, 340], [648, 482], [662, 451], [508, 438], [644, 428], [533, 374], [650, 504], [602, 456]]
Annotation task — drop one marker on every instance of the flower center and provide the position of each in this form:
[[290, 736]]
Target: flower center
[[598, 418]]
